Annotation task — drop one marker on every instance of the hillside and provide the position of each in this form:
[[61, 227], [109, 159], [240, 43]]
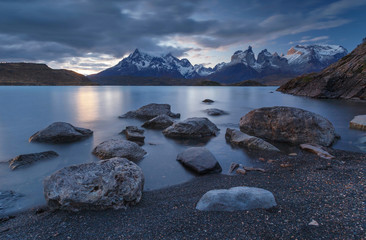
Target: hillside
[[344, 79], [39, 74]]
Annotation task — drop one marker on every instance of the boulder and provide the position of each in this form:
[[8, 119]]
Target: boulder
[[236, 199], [60, 132], [289, 125], [150, 111], [208, 101], [243, 140], [358, 122], [113, 183], [26, 159], [215, 112], [192, 128], [160, 122], [119, 148], [199, 160], [134, 134], [318, 150]]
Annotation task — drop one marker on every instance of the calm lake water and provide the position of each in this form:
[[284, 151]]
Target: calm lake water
[[25, 110]]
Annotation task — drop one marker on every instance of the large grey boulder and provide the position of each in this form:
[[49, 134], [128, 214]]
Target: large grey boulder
[[150, 111], [160, 122], [236, 198], [119, 148], [215, 112], [199, 160], [60, 132], [134, 134], [26, 159], [192, 128], [358, 122], [113, 183], [289, 125], [244, 140]]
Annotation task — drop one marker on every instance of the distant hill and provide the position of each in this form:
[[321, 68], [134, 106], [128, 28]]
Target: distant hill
[[344, 79], [248, 83], [39, 74]]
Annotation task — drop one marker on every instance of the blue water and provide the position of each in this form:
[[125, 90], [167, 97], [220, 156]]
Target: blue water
[[25, 110]]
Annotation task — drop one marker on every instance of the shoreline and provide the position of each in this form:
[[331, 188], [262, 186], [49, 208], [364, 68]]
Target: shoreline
[[305, 187]]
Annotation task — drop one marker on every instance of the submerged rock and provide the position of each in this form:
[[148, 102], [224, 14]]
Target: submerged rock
[[26, 159], [134, 134], [358, 122], [150, 111], [119, 148], [215, 112], [287, 124], [200, 160], [8, 199], [208, 101], [60, 132], [236, 198], [192, 128], [113, 183], [243, 140], [160, 122]]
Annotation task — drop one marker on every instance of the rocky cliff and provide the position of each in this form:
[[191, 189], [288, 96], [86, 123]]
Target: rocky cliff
[[344, 79]]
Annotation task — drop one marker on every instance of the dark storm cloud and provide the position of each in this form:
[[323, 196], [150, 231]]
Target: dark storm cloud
[[54, 30]]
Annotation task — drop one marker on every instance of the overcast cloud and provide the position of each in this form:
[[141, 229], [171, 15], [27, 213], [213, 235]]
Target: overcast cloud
[[90, 35]]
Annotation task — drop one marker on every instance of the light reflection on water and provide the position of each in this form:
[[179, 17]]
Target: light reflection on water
[[25, 110]]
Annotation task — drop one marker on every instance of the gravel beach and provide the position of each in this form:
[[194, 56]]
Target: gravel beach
[[306, 188]]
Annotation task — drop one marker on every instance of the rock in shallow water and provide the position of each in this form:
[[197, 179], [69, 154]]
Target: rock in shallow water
[[119, 148], [60, 132], [318, 150], [208, 100], [358, 122], [243, 140], [134, 134], [160, 122], [150, 111], [287, 124], [26, 159], [236, 198], [215, 112], [113, 183], [192, 128], [200, 160]]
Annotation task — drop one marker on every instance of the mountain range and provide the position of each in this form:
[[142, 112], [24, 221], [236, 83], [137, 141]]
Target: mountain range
[[243, 65]]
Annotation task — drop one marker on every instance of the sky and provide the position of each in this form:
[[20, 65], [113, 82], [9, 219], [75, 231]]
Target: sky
[[88, 36]]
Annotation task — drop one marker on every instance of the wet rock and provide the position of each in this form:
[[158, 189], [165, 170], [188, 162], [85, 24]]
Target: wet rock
[[8, 199], [233, 166], [236, 198], [26, 159], [134, 134], [119, 148], [192, 128], [160, 122], [113, 183], [243, 140], [200, 160], [358, 122], [241, 171], [208, 101], [289, 125], [60, 132], [215, 112], [318, 150], [150, 111]]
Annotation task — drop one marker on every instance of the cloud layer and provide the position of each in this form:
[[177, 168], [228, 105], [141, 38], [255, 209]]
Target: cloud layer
[[81, 32]]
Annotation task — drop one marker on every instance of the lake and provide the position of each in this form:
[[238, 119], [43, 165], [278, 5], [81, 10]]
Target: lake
[[24, 110]]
